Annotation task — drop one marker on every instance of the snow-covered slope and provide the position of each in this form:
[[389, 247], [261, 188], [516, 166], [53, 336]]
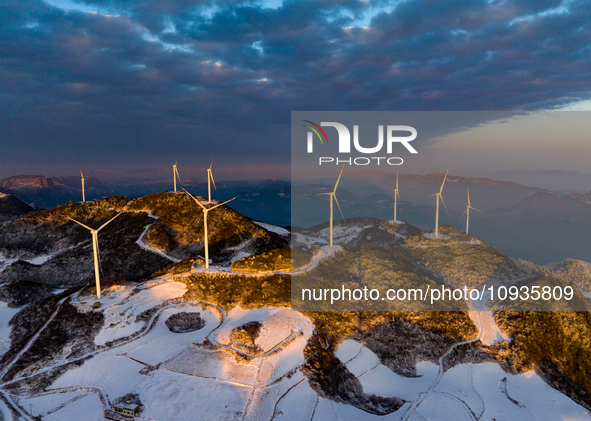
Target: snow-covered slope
[[465, 392]]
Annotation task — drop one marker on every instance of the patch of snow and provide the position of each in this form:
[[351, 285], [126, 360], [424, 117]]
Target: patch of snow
[[89, 408], [439, 406], [348, 350], [39, 260], [364, 362], [272, 228], [384, 382], [432, 236], [458, 382], [341, 234], [169, 372], [277, 324], [537, 401], [392, 232], [161, 345], [116, 375], [378, 379], [214, 364], [172, 396], [49, 402], [321, 254], [6, 313], [424, 246], [301, 397], [465, 392], [4, 262], [121, 308], [327, 410], [483, 318], [5, 412]]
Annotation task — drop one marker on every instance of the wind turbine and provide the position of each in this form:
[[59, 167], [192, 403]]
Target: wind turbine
[[205, 211], [467, 211], [333, 194], [396, 197], [209, 181], [95, 249], [439, 196], [82, 175], [175, 175]]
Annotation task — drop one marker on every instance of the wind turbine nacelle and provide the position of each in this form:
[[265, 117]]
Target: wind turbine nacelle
[[391, 139]]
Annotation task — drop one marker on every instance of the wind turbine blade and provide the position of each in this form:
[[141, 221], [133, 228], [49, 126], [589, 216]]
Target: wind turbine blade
[[193, 197], [441, 197], [177, 174], [98, 253], [476, 209], [464, 213], [108, 222], [339, 206], [468, 191], [81, 175], [444, 178], [396, 180], [211, 174], [431, 195], [338, 179], [323, 194], [79, 223], [398, 194], [211, 165], [220, 204]]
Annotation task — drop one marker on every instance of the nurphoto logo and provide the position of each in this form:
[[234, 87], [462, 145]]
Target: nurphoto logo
[[394, 135]]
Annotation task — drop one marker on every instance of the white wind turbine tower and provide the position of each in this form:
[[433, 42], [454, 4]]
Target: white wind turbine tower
[[467, 211], [439, 196], [209, 181], [205, 211], [82, 175], [333, 194], [396, 197], [175, 175], [95, 249]]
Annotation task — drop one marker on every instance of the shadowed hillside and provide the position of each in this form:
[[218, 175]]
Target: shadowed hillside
[[12, 208]]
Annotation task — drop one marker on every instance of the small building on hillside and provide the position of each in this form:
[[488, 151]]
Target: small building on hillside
[[127, 409]]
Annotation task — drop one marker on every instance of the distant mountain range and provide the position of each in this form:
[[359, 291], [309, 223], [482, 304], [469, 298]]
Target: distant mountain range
[[43, 192], [486, 194], [542, 228], [524, 222], [562, 182], [267, 201]]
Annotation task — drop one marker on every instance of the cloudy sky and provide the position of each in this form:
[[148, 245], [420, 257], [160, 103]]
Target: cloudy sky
[[128, 87]]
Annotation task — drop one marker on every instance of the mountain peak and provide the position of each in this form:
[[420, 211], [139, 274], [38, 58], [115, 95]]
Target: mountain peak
[[273, 182], [24, 181]]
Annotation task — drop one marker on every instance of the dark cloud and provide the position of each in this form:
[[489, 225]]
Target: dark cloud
[[142, 82]]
